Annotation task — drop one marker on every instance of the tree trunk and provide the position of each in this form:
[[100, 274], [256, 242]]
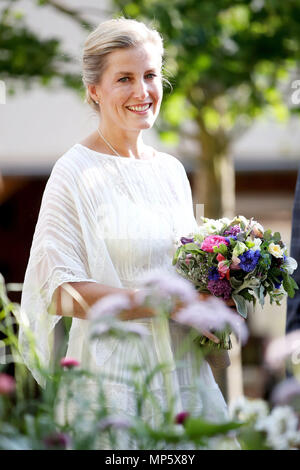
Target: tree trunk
[[214, 183]]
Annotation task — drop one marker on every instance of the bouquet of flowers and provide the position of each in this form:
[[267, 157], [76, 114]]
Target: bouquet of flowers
[[236, 259]]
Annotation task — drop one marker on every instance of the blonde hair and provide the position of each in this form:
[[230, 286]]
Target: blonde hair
[[110, 35]]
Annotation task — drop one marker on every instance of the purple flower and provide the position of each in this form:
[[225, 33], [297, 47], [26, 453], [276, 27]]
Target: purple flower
[[163, 284], [212, 315], [185, 240], [57, 440], [110, 305], [286, 391], [118, 328], [233, 230], [249, 260], [213, 274], [115, 422], [282, 348], [220, 288]]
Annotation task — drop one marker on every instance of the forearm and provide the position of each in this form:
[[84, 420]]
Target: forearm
[[85, 294]]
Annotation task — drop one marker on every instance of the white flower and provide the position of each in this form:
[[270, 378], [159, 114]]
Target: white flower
[[257, 242], [211, 226], [290, 264], [281, 428], [275, 250], [245, 409]]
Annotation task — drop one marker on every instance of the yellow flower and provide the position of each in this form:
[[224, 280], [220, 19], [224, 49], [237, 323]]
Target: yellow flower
[[275, 250]]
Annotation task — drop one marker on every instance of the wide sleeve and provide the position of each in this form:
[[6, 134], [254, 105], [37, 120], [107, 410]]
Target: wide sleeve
[[58, 255]]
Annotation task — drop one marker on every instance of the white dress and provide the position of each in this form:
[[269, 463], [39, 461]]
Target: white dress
[[111, 219]]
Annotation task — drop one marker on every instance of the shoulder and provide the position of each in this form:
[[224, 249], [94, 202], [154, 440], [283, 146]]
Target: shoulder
[[71, 163], [172, 160]]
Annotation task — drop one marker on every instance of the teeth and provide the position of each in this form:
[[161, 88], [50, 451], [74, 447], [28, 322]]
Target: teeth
[[139, 108]]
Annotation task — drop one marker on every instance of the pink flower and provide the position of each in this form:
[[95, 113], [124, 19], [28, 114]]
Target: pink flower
[[235, 263], [181, 417], [7, 384], [69, 362], [57, 441], [211, 241], [223, 270]]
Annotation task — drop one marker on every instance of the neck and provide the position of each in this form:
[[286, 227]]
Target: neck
[[127, 144]]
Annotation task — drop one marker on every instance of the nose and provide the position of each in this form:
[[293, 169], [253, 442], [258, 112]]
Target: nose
[[141, 89]]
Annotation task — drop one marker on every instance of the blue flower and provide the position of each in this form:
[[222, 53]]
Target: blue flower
[[228, 238], [213, 274], [249, 260], [278, 284]]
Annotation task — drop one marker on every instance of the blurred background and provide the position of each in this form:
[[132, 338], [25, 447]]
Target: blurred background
[[230, 114]]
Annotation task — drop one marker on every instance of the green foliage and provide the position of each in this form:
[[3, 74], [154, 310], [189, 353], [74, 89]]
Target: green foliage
[[29, 59], [30, 421], [226, 60]]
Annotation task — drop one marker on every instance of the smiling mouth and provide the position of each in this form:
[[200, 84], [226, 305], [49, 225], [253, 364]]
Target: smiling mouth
[[140, 109]]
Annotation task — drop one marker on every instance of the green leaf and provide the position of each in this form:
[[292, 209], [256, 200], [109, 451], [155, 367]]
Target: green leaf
[[267, 235], [176, 255], [241, 304], [197, 428], [222, 248], [276, 237], [192, 247]]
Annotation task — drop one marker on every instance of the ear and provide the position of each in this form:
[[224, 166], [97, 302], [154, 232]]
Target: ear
[[92, 89]]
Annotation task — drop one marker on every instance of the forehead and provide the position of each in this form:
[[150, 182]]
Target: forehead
[[145, 56]]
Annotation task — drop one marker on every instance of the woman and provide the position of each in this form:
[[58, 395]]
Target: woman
[[111, 211]]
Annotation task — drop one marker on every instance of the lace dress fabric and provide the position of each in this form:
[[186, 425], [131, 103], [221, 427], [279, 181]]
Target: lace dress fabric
[[110, 220]]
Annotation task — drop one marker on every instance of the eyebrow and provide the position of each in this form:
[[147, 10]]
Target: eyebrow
[[131, 73]]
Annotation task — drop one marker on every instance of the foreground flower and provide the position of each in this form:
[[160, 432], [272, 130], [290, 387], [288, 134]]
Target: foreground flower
[[117, 328], [246, 409], [212, 314], [286, 391], [115, 422], [181, 417], [7, 384], [164, 286], [57, 441], [110, 305], [281, 427], [283, 348], [69, 362]]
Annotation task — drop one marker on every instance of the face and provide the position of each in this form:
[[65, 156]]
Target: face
[[130, 90]]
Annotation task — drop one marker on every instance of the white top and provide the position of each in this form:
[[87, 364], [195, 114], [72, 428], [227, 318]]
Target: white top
[[103, 219]]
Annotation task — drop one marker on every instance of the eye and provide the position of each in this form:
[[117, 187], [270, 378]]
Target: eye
[[151, 75], [123, 79]]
